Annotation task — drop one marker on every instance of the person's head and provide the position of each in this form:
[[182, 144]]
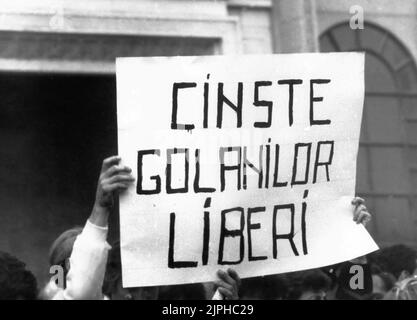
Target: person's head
[[194, 291], [382, 282], [308, 285], [113, 287], [61, 248], [16, 282], [403, 290], [271, 287], [399, 260], [332, 272]]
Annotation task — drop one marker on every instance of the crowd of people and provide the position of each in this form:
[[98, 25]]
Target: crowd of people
[[92, 268]]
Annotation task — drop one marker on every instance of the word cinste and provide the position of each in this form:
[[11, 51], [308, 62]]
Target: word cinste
[[222, 101]]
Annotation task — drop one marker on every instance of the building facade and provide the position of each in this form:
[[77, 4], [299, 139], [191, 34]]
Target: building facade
[[58, 103]]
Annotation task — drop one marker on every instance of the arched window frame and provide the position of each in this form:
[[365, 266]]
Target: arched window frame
[[401, 92]]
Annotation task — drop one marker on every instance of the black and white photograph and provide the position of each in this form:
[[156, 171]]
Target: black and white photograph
[[223, 151]]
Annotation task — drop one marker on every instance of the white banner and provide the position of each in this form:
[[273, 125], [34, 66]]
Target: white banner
[[241, 161]]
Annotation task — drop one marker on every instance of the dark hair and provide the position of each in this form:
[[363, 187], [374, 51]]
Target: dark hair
[[194, 291], [16, 282], [61, 248], [301, 281], [388, 279], [269, 287], [395, 259], [331, 273]]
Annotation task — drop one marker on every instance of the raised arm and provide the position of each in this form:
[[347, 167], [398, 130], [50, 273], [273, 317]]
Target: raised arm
[[89, 255]]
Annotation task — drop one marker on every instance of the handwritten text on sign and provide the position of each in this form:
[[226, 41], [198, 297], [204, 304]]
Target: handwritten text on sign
[[247, 161]]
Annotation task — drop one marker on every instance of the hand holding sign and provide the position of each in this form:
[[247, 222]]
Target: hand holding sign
[[228, 284], [247, 161], [114, 178], [361, 214]]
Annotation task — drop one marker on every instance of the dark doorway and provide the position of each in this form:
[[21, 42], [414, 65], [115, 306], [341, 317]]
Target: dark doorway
[[55, 131]]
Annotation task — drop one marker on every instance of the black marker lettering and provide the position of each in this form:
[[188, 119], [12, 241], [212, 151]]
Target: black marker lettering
[[262, 103], [221, 100], [253, 226], [175, 88], [169, 188], [291, 83], [224, 168], [259, 170], [171, 262], [289, 236], [316, 99], [224, 233], [327, 163], [139, 187], [295, 163]]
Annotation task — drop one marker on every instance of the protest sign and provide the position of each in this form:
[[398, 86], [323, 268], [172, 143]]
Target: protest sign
[[240, 161]]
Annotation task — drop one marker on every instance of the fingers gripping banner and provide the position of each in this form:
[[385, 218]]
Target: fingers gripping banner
[[242, 161]]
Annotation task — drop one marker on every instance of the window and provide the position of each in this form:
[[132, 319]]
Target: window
[[387, 160]]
